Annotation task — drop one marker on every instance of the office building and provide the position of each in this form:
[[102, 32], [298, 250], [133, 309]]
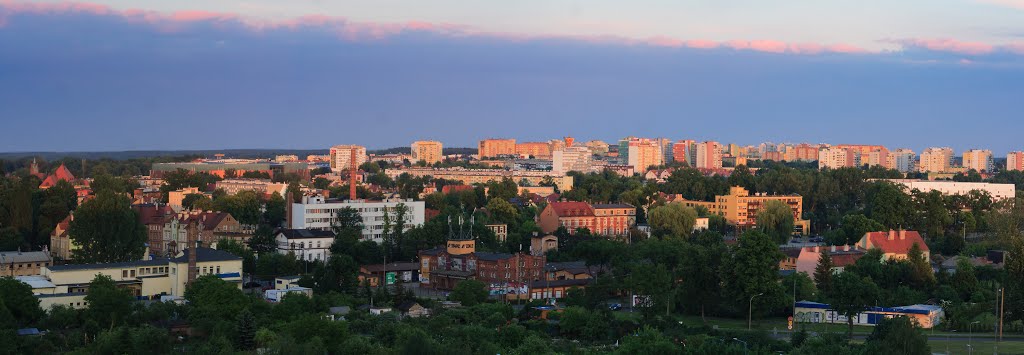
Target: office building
[[427, 151]]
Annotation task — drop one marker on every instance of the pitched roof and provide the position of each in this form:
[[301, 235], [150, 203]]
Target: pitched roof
[[612, 205], [68, 267], [153, 214], [62, 173], [392, 267], [896, 242], [482, 255], [306, 234], [7, 257], [572, 209]]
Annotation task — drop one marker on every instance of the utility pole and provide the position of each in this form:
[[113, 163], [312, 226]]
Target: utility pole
[[1002, 310]]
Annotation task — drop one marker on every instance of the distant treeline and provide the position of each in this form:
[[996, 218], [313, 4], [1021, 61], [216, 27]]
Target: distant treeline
[[141, 154]]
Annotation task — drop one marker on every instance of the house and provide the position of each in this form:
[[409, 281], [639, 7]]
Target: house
[[614, 219], [61, 245], [154, 217], [842, 256], [569, 270], [539, 246], [403, 272], [207, 226], [305, 244], [340, 312], [500, 231], [791, 255], [23, 263], [413, 309], [379, 310], [894, 244], [285, 282]]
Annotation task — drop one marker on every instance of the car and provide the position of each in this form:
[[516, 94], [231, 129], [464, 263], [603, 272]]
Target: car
[[615, 306], [817, 240]]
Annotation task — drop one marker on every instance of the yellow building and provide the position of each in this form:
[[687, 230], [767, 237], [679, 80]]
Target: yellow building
[[936, 160], [538, 150], [740, 208], [146, 279], [428, 151]]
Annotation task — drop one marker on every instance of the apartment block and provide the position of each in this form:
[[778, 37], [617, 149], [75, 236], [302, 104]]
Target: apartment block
[[428, 151], [1015, 161], [709, 155], [491, 148], [341, 156], [979, 160]]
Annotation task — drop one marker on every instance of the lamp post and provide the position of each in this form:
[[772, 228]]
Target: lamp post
[[970, 336], [949, 338], [750, 310], [745, 348]]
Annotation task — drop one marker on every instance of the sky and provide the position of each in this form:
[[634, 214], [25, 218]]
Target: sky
[[187, 74]]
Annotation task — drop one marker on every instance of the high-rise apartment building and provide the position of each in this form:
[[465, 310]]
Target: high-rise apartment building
[[978, 160], [836, 157], [1015, 161], [685, 151], [428, 151], [490, 148], [341, 156], [869, 155], [539, 150], [709, 155], [904, 160], [644, 153], [666, 149], [571, 158], [805, 152], [936, 160], [598, 148]]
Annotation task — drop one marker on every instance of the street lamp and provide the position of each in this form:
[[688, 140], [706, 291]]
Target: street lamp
[[949, 338], [970, 335], [745, 348], [750, 309]]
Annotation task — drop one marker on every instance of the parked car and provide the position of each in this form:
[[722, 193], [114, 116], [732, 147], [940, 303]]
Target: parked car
[[615, 306], [817, 239]]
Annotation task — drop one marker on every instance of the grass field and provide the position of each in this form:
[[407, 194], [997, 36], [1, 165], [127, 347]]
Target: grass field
[[981, 346]]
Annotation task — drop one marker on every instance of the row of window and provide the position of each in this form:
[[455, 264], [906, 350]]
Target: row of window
[[19, 266]]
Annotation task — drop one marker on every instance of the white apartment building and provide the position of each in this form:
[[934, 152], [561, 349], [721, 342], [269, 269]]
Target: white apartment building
[[575, 158], [946, 187], [835, 158], [904, 160], [342, 154], [318, 213], [979, 160], [936, 160]]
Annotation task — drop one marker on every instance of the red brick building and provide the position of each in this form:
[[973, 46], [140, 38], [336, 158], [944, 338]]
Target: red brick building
[[603, 219]]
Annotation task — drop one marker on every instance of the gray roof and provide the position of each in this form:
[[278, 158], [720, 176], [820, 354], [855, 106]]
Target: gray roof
[[126, 264], [306, 234], [207, 255], [482, 255], [7, 257]]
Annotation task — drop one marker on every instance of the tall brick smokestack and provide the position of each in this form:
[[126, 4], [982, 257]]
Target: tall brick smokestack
[[352, 175], [193, 270]]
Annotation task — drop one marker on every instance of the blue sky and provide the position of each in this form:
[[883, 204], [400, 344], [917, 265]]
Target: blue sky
[[126, 75]]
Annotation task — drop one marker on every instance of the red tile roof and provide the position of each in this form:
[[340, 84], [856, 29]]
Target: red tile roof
[[572, 209], [896, 242], [455, 188], [62, 173], [153, 214]]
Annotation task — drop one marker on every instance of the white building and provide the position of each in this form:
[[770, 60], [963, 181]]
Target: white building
[[341, 155], [576, 158], [836, 157], [946, 187], [318, 213], [904, 160], [305, 244], [936, 160], [979, 160]]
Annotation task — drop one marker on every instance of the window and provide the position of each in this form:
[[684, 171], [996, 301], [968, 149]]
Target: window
[[124, 273], [218, 269]]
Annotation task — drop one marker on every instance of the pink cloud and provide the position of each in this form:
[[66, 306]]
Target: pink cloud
[[361, 31], [1016, 4], [946, 45]]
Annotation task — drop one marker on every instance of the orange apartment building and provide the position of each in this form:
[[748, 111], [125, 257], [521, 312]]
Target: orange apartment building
[[539, 150], [740, 208], [490, 148], [601, 219]]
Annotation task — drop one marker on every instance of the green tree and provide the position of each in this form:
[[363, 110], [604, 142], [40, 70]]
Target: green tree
[[274, 215], [648, 341], [672, 219], [213, 301], [922, 275], [823, 272], [889, 205], [20, 304], [851, 294], [245, 331], [854, 226], [469, 292], [197, 202], [108, 304], [262, 241], [106, 229], [502, 211], [897, 335], [245, 206], [755, 271], [964, 280], [776, 219]]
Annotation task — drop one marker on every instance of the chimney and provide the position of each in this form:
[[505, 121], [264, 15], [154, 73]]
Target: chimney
[[846, 248], [352, 174], [193, 270], [833, 249], [892, 235], [903, 234]]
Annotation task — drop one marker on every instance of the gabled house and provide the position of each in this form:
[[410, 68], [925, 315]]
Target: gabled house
[[894, 244]]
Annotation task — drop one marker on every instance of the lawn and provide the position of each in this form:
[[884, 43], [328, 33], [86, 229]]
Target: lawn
[[981, 346]]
